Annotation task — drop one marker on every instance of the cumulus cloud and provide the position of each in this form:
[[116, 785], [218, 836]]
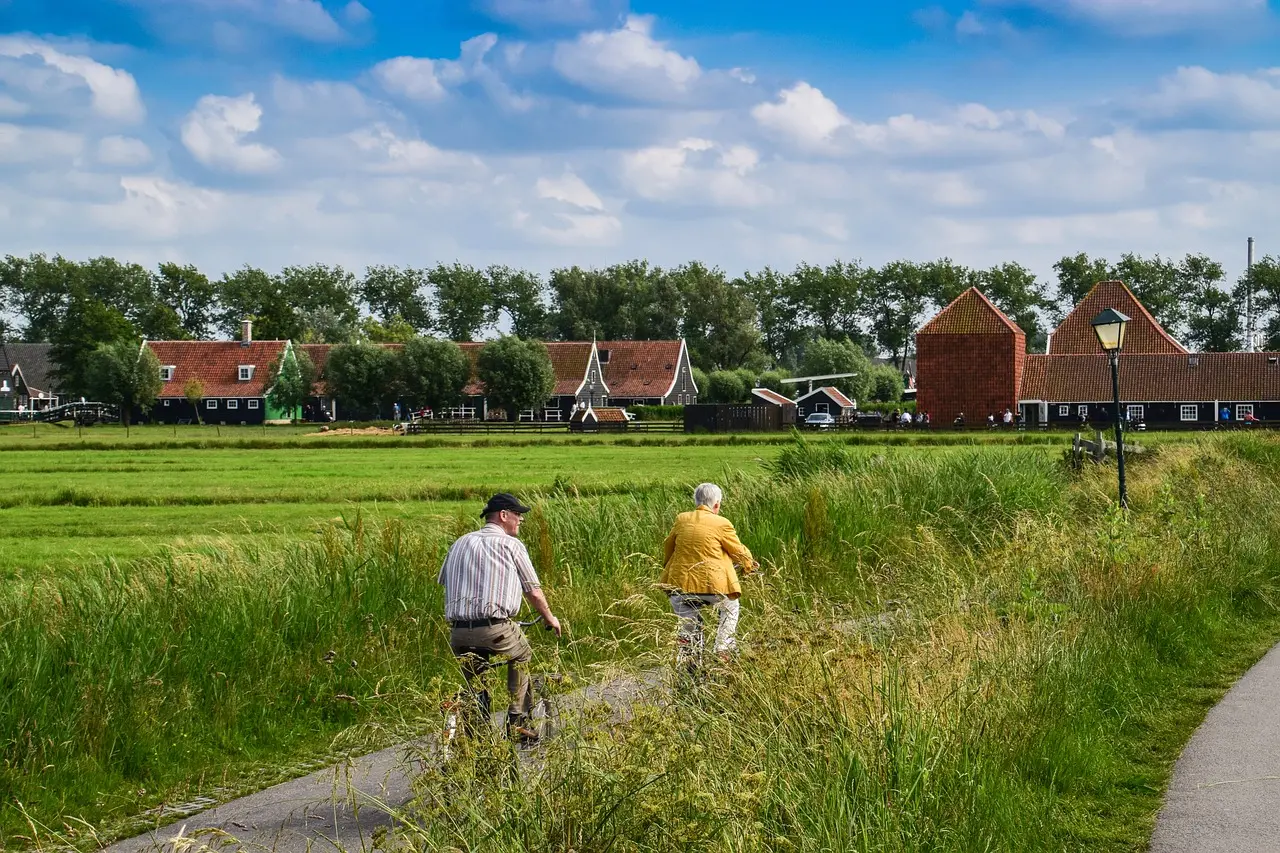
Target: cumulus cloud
[[427, 81], [802, 114], [627, 61], [570, 189], [123, 151], [113, 92], [214, 132], [410, 77], [1196, 95], [695, 171], [380, 149], [19, 144]]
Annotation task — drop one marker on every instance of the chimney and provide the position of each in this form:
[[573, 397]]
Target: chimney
[[246, 332]]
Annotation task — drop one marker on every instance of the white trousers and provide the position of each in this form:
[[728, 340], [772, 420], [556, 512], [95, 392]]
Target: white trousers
[[689, 608]]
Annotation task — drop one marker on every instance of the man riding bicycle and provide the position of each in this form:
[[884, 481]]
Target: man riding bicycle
[[484, 576]]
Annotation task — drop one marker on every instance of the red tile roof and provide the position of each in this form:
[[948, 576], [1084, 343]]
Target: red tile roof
[[1075, 335], [970, 313], [1157, 377], [610, 415], [640, 368], [217, 365], [772, 397]]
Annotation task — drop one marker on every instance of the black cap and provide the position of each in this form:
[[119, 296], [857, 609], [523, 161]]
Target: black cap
[[501, 501]]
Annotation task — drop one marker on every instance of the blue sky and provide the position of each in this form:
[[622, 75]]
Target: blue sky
[[546, 132]]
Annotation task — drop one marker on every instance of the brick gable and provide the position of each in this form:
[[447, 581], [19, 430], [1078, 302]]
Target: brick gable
[[1143, 335]]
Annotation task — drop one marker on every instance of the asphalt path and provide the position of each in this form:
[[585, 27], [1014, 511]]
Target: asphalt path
[[1225, 791], [344, 807]]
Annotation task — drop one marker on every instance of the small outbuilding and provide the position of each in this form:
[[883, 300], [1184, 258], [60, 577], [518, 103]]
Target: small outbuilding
[[593, 419], [827, 399]]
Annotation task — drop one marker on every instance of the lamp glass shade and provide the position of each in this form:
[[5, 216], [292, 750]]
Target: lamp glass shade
[[1109, 326]]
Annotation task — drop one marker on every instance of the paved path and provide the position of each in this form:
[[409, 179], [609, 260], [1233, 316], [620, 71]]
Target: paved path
[[340, 807], [1225, 791]]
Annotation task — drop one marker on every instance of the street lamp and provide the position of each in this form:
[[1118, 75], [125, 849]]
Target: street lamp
[[1109, 326]]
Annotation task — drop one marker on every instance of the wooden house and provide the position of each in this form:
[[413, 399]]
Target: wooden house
[[827, 399]]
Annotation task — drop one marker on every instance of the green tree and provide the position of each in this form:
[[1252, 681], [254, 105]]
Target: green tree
[[250, 293], [832, 298], [1264, 280], [397, 292], [192, 297], [632, 300], [772, 379], [363, 376], [392, 331], [725, 386], [899, 300], [464, 304], [433, 373], [86, 324], [324, 301], [1025, 300], [824, 357], [124, 373], [293, 376], [1077, 274], [516, 374], [886, 384], [700, 379], [1213, 315], [719, 320], [782, 330], [520, 294], [1154, 281]]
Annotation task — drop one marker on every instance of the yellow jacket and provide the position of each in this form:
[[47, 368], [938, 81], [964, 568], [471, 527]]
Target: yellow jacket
[[700, 553]]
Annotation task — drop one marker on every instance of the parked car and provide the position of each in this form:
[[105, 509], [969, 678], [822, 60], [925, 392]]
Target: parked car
[[820, 420]]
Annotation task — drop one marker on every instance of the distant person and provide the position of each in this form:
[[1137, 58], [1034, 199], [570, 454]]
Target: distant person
[[1225, 414], [698, 571], [991, 420], [1007, 417], [959, 421], [906, 419], [485, 575], [395, 412]]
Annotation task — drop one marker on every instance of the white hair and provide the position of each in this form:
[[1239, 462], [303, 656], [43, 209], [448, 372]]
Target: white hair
[[707, 494]]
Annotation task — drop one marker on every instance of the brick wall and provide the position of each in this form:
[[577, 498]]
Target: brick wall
[[972, 373]]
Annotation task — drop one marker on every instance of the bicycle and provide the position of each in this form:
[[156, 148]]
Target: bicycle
[[467, 715]]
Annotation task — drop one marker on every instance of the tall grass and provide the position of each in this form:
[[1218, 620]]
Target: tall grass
[[964, 650]]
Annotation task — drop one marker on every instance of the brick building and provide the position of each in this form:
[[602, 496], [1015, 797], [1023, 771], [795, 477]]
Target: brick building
[[971, 359]]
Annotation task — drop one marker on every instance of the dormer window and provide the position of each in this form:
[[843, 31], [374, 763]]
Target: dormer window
[[166, 372], [604, 356], [246, 372]]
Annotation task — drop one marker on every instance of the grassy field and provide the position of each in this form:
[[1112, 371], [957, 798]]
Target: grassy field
[[951, 648]]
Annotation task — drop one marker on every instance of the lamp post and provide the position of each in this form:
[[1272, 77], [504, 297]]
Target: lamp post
[[1109, 326]]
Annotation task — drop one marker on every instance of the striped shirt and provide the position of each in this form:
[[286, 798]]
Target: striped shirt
[[484, 575]]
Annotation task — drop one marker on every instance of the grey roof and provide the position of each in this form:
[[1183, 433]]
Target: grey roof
[[33, 360]]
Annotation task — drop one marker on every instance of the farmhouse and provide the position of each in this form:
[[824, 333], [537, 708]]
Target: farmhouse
[[234, 378], [973, 360], [26, 371]]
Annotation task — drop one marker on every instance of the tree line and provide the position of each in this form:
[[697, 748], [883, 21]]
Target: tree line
[[757, 323]]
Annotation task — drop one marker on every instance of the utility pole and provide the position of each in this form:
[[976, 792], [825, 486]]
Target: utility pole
[[1248, 303]]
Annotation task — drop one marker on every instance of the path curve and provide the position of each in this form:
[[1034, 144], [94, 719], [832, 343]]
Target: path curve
[[343, 806], [1225, 793]]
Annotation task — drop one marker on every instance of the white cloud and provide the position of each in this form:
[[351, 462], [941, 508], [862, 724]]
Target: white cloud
[[356, 13], [214, 130], [11, 107], [156, 209], [803, 114], [113, 92], [1198, 94], [570, 189], [123, 151], [380, 149], [695, 171], [410, 77], [627, 61], [20, 144]]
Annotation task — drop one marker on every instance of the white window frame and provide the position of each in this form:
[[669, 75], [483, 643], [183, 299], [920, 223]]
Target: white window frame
[[253, 404], [246, 372], [1243, 409], [1135, 411], [166, 402], [1082, 410], [1064, 410], [211, 403], [167, 371], [822, 407], [1188, 409], [233, 404]]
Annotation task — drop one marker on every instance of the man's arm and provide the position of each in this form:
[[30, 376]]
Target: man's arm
[[539, 603]]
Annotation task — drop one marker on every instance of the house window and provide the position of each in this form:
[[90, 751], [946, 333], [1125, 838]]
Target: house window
[[233, 404], [604, 401], [604, 356], [246, 372], [1082, 411], [1243, 410], [1064, 411], [1189, 412], [821, 407], [211, 404], [166, 402], [166, 373], [1134, 412], [253, 404]]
